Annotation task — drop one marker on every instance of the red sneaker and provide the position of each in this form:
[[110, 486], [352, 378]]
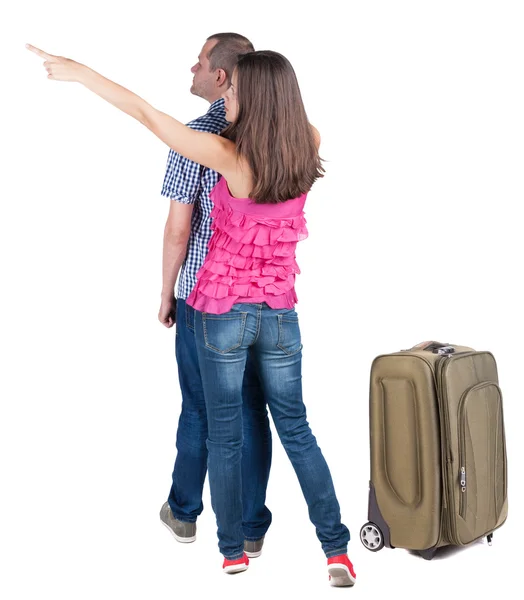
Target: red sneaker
[[341, 571], [235, 566]]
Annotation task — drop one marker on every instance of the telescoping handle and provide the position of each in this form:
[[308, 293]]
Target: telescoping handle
[[435, 347]]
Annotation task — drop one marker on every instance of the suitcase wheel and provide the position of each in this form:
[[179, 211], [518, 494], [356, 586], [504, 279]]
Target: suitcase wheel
[[371, 537]]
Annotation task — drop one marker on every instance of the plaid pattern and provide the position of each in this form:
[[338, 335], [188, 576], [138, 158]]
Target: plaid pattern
[[190, 183]]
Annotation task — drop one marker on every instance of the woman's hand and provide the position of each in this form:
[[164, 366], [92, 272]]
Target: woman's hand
[[58, 67], [207, 149]]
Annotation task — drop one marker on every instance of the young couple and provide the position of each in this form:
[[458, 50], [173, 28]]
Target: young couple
[[237, 178]]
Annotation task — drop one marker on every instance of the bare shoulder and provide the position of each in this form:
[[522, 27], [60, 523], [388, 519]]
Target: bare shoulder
[[240, 178], [316, 135]]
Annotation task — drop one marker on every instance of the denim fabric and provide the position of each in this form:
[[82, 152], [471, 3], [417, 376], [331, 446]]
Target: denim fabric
[[271, 338], [189, 473]]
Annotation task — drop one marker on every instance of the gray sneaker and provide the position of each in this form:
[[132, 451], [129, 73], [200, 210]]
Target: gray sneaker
[[182, 531], [253, 548]]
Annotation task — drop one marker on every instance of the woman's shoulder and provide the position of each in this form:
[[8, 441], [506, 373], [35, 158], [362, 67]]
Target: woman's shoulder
[[316, 135]]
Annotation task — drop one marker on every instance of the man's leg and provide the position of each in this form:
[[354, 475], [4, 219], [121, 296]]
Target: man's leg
[[185, 498], [256, 460], [189, 473]]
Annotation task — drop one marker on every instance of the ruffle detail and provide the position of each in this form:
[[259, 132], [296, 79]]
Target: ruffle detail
[[200, 301], [251, 257], [258, 231]]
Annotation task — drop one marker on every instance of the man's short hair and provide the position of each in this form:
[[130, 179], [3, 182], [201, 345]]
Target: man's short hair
[[224, 55]]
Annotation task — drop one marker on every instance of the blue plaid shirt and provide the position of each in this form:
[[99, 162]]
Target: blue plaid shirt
[[190, 183]]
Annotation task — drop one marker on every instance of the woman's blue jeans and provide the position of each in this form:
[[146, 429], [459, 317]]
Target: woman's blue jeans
[[271, 337]]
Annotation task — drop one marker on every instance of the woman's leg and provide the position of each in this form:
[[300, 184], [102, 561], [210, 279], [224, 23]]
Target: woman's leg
[[222, 346], [278, 350], [256, 455]]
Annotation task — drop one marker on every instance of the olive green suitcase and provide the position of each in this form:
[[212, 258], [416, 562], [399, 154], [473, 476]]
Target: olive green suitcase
[[437, 449]]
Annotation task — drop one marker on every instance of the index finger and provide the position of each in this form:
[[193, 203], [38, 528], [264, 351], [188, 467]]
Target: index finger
[[39, 52]]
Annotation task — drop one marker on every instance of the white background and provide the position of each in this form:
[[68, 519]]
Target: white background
[[415, 234]]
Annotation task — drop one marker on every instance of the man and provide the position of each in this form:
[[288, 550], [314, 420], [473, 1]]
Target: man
[[186, 237]]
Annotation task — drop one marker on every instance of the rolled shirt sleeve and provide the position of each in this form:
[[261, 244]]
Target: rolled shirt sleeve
[[182, 180]]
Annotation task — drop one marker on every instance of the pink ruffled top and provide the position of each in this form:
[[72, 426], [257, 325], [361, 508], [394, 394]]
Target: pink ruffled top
[[251, 254]]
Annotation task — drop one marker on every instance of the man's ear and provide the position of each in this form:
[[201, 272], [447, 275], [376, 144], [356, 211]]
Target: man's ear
[[221, 77]]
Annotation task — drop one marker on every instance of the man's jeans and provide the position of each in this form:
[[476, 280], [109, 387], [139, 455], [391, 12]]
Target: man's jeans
[[272, 339], [189, 473]]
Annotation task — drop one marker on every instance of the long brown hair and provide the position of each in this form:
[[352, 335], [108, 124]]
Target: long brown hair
[[271, 130]]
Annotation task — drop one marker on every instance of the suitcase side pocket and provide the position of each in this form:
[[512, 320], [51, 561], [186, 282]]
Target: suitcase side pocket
[[481, 477]]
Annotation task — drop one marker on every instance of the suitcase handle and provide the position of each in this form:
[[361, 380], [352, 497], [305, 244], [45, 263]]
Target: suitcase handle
[[435, 347]]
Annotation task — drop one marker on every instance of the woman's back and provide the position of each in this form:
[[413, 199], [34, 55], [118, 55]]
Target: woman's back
[[251, 254]]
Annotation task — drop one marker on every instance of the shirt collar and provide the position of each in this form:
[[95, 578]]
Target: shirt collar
[[217, 105]]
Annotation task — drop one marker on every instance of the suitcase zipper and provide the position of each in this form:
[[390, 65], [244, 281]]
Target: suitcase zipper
[[462, 456], [463, 498], [462, 453], [447, 476]]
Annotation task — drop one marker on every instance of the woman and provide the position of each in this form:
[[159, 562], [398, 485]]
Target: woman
[[245, 296]]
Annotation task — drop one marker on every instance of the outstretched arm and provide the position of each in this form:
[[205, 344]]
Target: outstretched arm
[[208, 149]]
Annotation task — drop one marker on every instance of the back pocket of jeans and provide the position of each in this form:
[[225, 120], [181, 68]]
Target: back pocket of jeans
[[289, 333], [223, 333]]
